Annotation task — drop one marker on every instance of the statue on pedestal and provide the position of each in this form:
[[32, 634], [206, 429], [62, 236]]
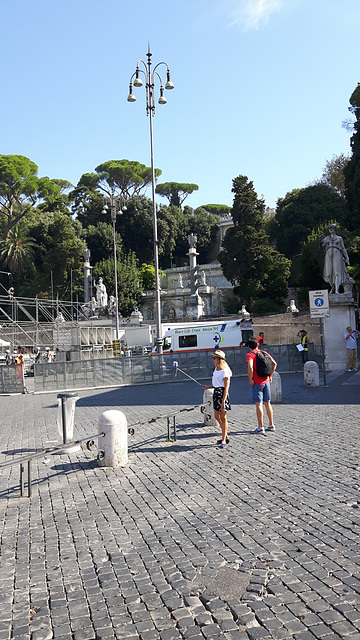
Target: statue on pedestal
[[111, 306], [101, 294], [336, 259]]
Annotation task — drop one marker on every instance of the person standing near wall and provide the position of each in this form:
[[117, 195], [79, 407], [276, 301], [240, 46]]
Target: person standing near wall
[[305, 344], [261, 340], [350, 339]]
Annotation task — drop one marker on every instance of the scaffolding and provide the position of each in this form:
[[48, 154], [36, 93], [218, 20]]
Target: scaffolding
[[36, 322]]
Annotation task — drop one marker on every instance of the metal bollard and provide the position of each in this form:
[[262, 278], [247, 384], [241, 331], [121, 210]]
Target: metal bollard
[[276, 388], [209, 417], [311, 374], [114, 444], [66, 416]]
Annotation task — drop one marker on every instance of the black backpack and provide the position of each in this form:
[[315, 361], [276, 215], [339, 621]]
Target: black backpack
[[263, 365]]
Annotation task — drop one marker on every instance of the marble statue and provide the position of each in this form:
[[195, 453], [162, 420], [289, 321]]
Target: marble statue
[[244, 313], [336, 259], [292, 308], [202, 278], [192, 240], [101, 294], [111, 307]]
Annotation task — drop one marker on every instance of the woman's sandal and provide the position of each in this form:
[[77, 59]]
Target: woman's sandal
[[220, 441]]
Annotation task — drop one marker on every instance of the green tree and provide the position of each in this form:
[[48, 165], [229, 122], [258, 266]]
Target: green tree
[[333, 173], [58, 255], [301, 211], [217, 209], [176, 192], [124, 177], [17, 250], [312, 260], [352, 169], [147, 275], [100, 241], [256, 270], [120, 179], [135, 226], [203, 225], [21, 189], [55, 195]]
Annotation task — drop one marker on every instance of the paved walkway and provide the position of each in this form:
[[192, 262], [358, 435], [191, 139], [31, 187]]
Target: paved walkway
[[259, 540]]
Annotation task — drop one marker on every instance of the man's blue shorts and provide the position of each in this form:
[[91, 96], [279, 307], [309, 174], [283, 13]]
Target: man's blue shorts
[[261, 392]]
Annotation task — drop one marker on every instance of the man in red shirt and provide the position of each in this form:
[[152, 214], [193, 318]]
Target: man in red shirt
[[260, 388], [260, 340]]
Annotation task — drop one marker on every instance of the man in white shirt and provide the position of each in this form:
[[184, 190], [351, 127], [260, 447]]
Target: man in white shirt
[[350, 339]]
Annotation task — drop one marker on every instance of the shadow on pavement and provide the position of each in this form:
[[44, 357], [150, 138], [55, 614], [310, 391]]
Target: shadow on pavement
[[341, 390]]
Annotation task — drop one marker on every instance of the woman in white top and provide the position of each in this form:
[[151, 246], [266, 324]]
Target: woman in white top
[[220, 384]]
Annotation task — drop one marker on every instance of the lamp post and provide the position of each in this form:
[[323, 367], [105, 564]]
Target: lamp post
[[113, 213], [150, 76]]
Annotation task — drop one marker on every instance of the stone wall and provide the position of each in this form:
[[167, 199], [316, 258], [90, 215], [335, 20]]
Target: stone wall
[[282, 328]]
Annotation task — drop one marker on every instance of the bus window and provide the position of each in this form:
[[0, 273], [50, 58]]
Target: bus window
[[187, 341]]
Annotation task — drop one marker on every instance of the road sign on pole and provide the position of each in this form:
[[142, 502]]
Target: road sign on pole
[[319, 303]]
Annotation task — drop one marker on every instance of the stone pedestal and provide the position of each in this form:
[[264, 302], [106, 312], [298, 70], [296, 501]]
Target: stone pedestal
[[342, 315]]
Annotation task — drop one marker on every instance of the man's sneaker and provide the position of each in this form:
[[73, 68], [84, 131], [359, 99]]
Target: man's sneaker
[[270, 428], [258, 430], [348, 370]]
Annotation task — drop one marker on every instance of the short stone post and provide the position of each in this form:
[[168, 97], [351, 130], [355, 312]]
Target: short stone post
[[311, 374], [276, 388], [209, 417], [113, 447]]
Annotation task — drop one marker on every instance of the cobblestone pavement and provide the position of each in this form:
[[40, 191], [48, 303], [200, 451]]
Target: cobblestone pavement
[[258, 540]]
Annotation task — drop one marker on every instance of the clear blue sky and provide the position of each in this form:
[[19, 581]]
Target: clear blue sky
[[261, 88]]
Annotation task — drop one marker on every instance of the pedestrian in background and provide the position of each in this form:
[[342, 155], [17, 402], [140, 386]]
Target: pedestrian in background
[[260, 388], [221, 401], [260, 340], [305, 345], [351, 336]]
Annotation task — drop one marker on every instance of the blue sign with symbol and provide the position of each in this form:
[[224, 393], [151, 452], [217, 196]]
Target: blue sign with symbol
[[319, 302]]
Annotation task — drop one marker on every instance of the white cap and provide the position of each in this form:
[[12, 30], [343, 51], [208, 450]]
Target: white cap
[[47, 348]]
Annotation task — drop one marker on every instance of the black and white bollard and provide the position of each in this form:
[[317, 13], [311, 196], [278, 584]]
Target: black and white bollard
[[311, 374], [113, 446]]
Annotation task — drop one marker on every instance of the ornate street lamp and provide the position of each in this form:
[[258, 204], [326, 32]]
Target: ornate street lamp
[[113, 213], [143, 68]]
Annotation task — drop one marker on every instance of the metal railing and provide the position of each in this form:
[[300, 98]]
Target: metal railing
[[108, 372], [40, 454]]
